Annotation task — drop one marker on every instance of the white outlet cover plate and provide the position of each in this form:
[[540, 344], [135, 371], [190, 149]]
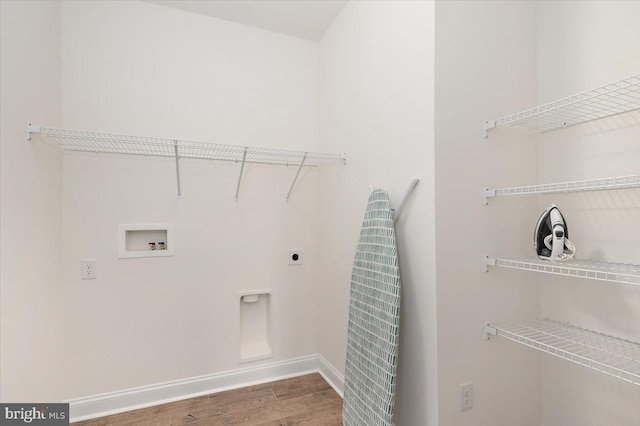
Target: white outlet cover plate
[[466, 396], [292, 257], [88, 269]]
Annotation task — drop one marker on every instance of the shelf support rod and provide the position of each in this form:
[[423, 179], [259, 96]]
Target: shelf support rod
[[32, 129], [175, 149], [244, 159], [304, 158], [488, 261]]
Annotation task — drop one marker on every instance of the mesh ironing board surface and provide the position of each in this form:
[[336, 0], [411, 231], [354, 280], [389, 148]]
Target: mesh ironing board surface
[[374, 315]]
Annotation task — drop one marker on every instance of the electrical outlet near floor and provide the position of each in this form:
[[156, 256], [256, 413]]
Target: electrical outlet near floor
[[466, 396], [87, 269]]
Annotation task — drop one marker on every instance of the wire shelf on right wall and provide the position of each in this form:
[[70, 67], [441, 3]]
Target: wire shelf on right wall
[[622, 273], [611, 99], [616, 357], [610, 355], [601, 184]]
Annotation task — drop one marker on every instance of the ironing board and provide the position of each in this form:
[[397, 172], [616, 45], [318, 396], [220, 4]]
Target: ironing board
[[374, 316]]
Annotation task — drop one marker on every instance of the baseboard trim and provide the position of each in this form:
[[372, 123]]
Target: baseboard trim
[[146, 396], [331, 375]]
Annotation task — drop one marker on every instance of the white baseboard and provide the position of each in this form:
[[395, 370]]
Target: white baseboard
[[162, 393], [331, 375]]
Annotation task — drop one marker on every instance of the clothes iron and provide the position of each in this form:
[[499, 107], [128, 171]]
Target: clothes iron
[[551, 236]]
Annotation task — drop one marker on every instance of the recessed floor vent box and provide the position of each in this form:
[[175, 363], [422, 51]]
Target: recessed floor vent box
[[145, 240], [255, 325]]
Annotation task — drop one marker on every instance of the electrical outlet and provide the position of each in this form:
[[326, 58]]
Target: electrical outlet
[[466, 396], [87, 269], [295, 257]]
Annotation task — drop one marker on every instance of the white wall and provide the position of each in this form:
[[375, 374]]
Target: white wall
[[485, 68], [583, 45], [142, 69], [376, 86], [31, 339]]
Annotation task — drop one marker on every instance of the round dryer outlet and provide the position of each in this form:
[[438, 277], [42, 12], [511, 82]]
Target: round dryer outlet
[[295, 257]]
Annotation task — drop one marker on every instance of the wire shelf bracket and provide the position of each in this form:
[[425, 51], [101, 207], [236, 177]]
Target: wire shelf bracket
[[610, 355], [85, 141], [32, 129], [622, 273], [605, 101], [488, 261], [618, 182]]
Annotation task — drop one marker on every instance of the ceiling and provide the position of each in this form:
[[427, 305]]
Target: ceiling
[[307, 19]]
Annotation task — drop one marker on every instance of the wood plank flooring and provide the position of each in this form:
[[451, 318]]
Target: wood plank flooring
[[303, 400]]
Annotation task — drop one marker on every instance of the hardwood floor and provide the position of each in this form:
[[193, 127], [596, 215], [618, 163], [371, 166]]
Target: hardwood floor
[[303, 400]]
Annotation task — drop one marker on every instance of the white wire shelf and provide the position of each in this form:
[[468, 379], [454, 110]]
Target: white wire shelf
[[85, 141], [618, 182], [607, 354], [622, 273], [611, 99], [78, 140]]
